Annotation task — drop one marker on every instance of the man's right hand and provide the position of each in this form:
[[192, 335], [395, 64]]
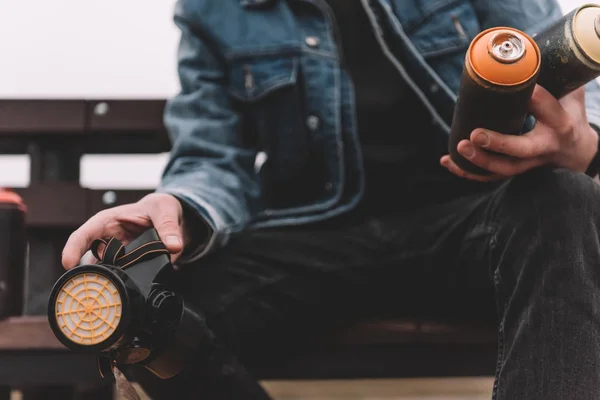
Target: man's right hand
[[126, 222]]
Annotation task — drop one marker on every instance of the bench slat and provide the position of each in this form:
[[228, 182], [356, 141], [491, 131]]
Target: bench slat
[[33, 332], [28, 333]]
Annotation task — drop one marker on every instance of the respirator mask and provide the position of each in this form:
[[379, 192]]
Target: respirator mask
[[119, 310]]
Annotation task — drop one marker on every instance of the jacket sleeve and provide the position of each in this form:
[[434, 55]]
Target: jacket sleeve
[[209, 170], [531, 17]]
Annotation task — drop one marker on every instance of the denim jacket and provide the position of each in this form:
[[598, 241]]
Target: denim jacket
[[266, 108]]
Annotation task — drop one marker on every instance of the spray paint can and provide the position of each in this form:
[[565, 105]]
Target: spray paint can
[[500, 71], [13, 252], [570, 50]]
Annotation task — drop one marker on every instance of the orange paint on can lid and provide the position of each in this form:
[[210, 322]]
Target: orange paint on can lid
[[10, 197], [504, 56]]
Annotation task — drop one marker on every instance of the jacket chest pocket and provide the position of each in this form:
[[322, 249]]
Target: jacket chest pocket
[[268, 94], [442, 35]]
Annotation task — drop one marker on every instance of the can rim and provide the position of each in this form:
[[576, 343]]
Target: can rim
[[575, 33], [517, 32], [9, 196]]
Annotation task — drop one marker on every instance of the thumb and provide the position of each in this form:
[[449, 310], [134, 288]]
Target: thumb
[[169, 232], [165, 216]]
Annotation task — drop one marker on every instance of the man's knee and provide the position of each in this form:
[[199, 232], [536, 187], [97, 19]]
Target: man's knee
[[544, 218], [551, 194]]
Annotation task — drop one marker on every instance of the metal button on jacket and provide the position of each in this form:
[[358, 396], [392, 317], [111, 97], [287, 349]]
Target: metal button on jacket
[[312, 122], [312, 41]]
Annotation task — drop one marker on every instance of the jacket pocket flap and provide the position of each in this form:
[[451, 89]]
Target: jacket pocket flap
[[252, 79], [447, 28]]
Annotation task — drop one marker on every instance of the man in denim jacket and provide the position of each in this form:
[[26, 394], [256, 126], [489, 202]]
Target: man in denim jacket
[[309, 184]]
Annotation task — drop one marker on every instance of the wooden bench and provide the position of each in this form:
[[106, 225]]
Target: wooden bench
[[55, 134]]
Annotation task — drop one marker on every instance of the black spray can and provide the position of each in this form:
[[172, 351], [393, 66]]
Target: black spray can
[[570, 50], [499, 75], [13, 253]]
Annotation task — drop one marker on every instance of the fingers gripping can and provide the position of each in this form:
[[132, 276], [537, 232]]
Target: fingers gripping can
[[570, 51], [500, 71]]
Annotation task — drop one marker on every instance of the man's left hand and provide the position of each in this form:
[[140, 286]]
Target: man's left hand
[[561, 137]]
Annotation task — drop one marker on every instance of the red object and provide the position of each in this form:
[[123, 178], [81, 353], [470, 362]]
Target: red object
[[8, 196]]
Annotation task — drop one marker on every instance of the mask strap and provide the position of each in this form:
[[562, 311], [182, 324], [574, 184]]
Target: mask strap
[[114, 252]]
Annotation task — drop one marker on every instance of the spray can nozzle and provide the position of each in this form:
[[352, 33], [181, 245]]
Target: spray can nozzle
[[506, 47]]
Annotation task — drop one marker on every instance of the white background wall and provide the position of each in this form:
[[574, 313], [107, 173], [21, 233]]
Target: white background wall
[[93, 49]]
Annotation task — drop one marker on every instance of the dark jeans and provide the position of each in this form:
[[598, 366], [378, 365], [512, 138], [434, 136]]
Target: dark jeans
[[525, 252]]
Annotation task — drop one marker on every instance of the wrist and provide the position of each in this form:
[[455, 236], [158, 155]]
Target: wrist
[[196, 231], [592, 158]]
